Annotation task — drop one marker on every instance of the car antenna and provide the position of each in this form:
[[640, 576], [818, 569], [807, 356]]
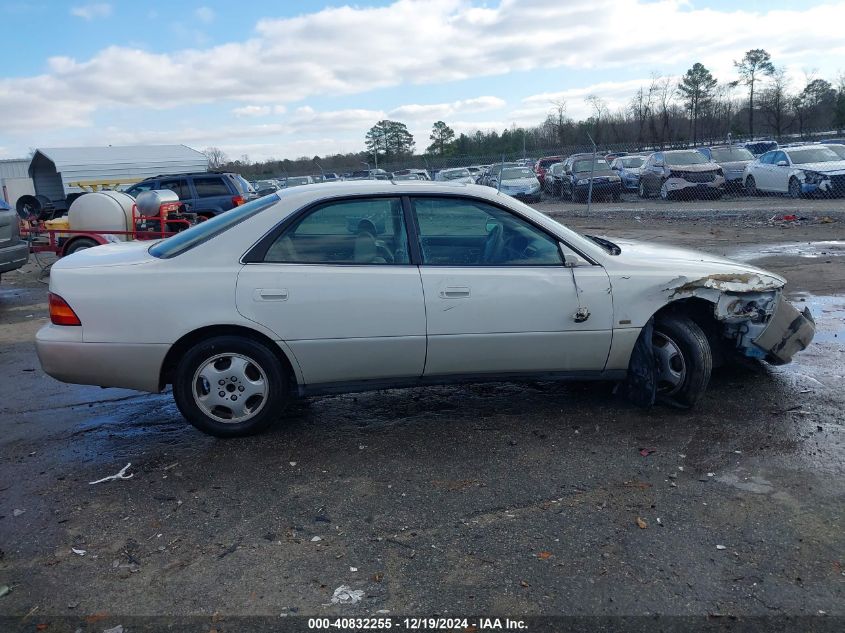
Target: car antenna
[[499, 180]]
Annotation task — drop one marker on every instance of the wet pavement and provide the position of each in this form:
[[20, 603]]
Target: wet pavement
[[517, 499]]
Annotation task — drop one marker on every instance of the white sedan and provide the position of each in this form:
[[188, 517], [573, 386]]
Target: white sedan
[[797, 171], [367, 285]]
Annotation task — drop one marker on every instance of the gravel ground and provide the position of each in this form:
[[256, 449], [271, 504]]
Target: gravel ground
[[499, 499]]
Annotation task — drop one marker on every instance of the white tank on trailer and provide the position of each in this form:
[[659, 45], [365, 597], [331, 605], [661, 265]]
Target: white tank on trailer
[[102, 211]]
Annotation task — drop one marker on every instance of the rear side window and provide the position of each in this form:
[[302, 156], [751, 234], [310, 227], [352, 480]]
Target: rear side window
[[179, 186], [204, 231], [210, 187], [362, 231]]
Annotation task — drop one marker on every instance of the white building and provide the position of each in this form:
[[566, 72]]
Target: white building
[[55, 171]]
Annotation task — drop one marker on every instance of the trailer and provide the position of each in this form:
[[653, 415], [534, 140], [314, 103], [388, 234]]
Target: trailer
[[106, 217]]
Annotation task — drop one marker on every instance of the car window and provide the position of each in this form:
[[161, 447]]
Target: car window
[[209, 187], [818, 154], [778, 157], [134, 190], [179, 186], [767, 158], [465, 232], [359, 231]]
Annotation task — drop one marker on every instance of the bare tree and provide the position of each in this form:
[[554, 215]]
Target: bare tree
[[775, 103], [216, 157]]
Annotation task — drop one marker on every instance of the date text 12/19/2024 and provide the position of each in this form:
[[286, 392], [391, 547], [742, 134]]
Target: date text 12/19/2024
[[419, 624]]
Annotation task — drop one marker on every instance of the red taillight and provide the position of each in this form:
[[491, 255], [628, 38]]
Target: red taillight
[[61, 313], [238, 200]]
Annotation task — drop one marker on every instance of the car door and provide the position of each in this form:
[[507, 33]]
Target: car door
[[779, 180], [762, 172], [212, 195], [498, 297], [337, 286], [649, 177]]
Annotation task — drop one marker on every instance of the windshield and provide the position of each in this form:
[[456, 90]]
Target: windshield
[[729, 154], [813, 155], [634, 161], [838, 149], [204, 231], [512, 173], [454, 174], [586, 165], [685, 158]]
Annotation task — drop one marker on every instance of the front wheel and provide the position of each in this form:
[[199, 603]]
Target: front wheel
[[230, 386], [683, 360], [751, 187], [642, 191], [794, 188]]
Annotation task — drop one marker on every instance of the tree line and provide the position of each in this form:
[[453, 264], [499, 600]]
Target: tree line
[[665, 112]]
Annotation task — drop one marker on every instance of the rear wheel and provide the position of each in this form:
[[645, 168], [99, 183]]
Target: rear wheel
[[230, 386], [684, 360], [665, 194], [80, 244]]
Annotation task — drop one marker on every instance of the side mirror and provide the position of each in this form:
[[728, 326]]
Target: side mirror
[[782, 163]]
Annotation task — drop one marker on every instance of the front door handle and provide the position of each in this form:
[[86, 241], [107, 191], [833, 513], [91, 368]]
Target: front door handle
[[454, 292], [270, 294]]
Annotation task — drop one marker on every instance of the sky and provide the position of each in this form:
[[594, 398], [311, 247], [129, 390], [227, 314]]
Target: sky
[[277, 79]]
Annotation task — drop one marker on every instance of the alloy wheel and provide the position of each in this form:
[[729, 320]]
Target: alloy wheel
[[671, 366], [230, 388]]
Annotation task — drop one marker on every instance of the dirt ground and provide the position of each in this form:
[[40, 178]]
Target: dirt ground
[[496, 499]]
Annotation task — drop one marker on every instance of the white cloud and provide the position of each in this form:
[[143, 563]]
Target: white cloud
[[435, 111], [339, 51], [92, 11], [324, 53], [251, 111], [205, 15]]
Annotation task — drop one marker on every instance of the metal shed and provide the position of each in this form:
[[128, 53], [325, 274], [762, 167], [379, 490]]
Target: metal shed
[[53, 169], [14, 179]]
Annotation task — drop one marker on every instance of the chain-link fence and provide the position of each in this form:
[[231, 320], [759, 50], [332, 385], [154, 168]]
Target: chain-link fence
[[796, 166]]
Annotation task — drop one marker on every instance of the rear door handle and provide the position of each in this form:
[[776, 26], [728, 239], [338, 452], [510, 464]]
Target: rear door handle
[[454, 292], [270, 294]]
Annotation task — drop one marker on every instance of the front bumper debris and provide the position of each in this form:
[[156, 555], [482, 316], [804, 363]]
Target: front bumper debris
[[788, 332]]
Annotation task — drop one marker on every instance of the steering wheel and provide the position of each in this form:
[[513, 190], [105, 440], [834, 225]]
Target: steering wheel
[[492, 245]]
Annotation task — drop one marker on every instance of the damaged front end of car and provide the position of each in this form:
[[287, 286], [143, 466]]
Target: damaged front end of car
[[752, 314]]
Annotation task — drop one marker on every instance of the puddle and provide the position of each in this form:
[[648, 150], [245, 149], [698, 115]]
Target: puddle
[[829, 314], [831, 248]]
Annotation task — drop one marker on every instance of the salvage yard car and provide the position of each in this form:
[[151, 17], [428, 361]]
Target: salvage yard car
[[797, 171], [579, 169], [683, 174], [519, 182], [14, 252], [286, 296], [733, 160]]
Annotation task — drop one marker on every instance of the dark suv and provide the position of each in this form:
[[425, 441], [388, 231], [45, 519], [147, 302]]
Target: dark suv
[[206, 193]]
